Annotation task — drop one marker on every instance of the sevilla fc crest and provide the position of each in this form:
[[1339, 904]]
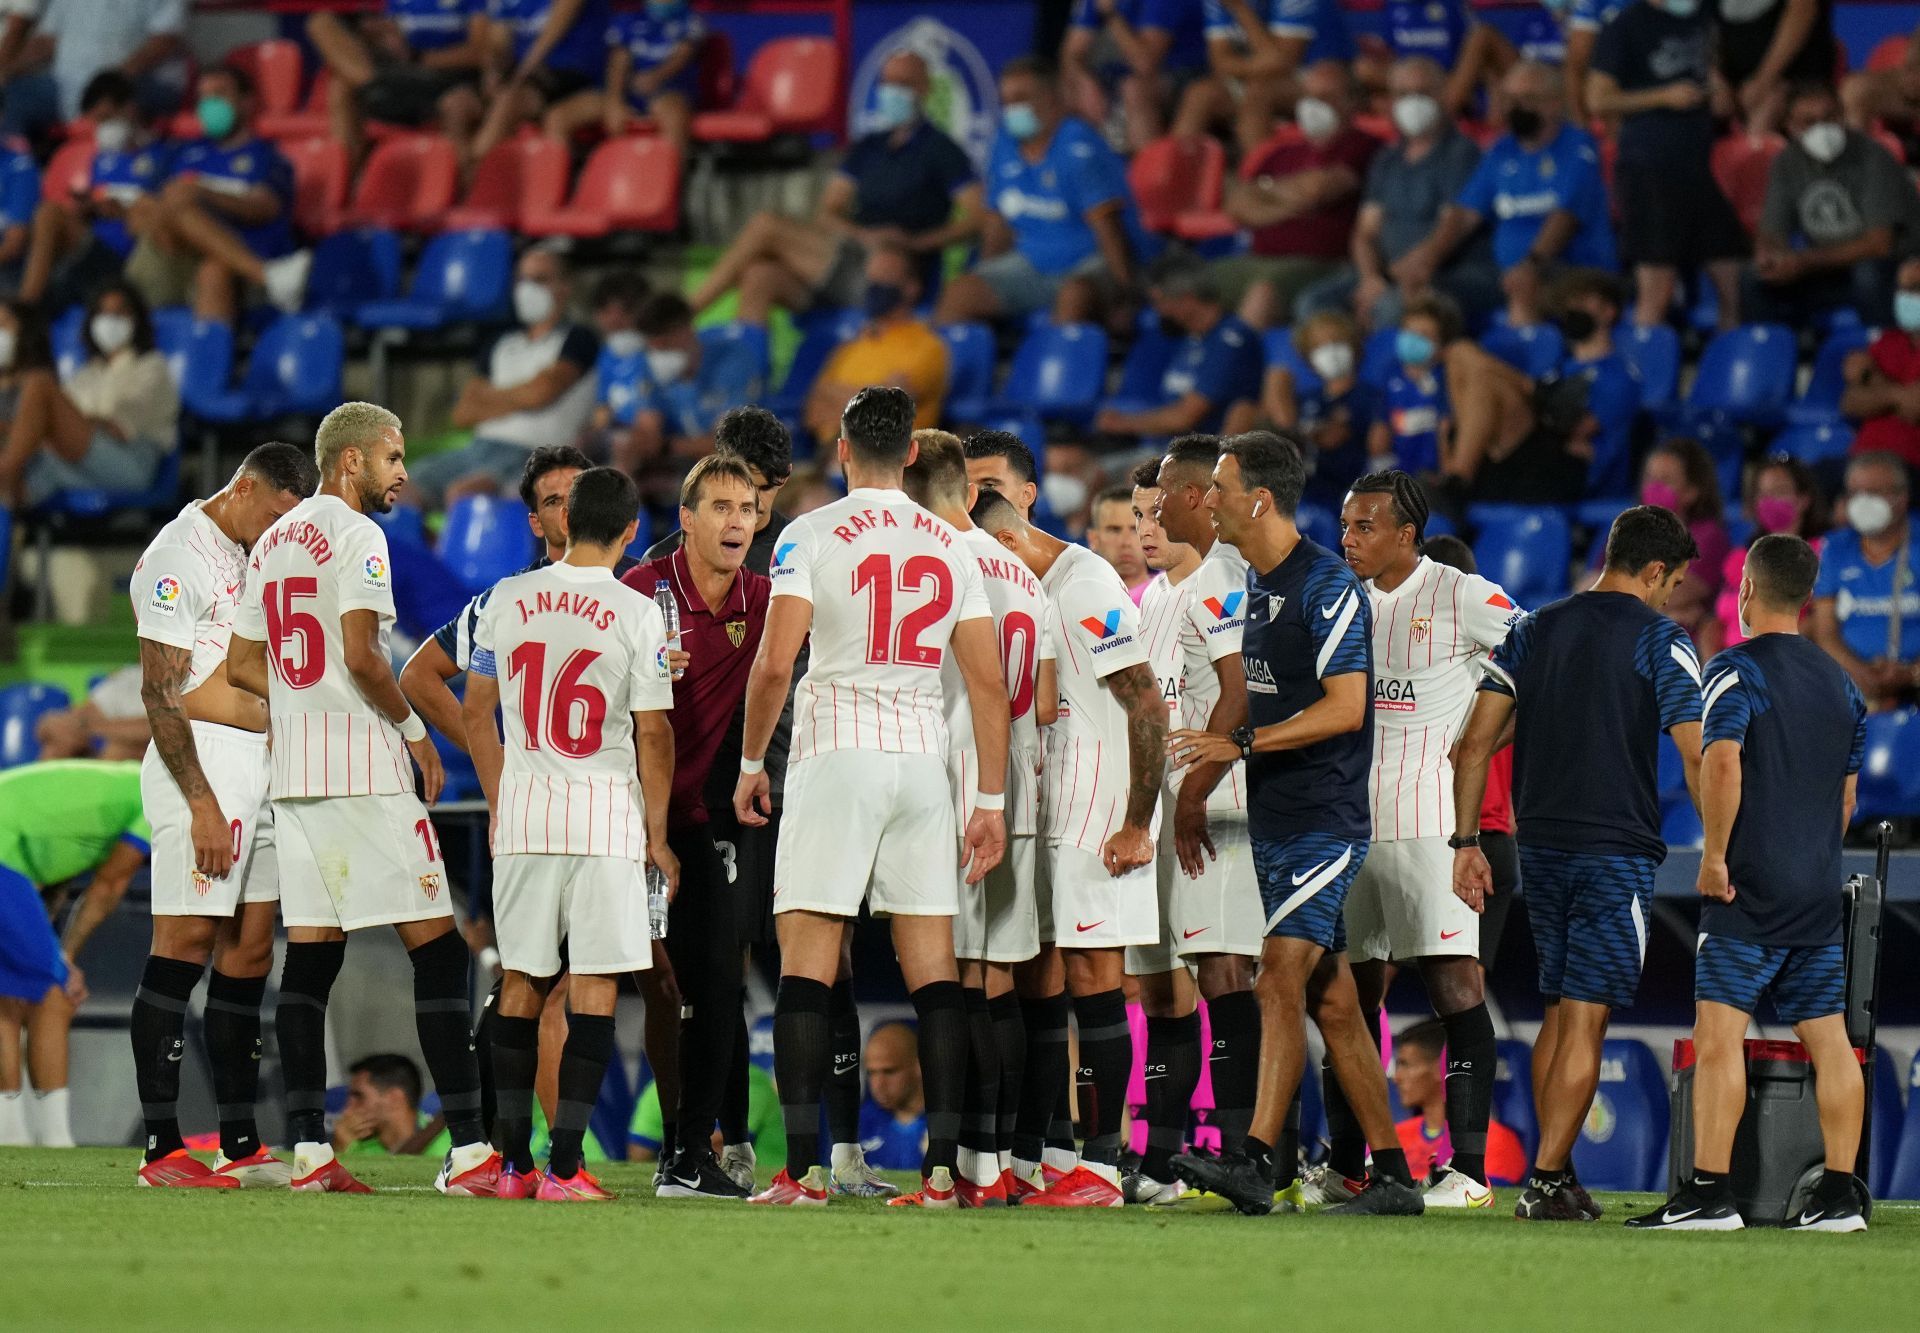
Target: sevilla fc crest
[[430, 885], [1421, 628], [736, 632]]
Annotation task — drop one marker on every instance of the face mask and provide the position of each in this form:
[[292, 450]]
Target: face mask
[[883, 298], [1868, 515], [217, 117], [625, 344], [1020, 120], [532, 302], [1825, 141], [1316, 119], [1578, 325], [112, 136], [6, 349], [1170, 328], [1524, 122], [1413, 349], [110, 332], [1906, 311], [1683, 9], [667, 365], [1776, 513], [894, 105], [1064, 493], [1415, 114], [1331, 361], [1660, 496]]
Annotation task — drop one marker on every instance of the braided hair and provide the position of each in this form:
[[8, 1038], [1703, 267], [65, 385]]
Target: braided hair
[[1409, 498]]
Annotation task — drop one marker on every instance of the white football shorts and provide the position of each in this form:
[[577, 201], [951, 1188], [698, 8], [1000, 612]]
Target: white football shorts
[[237, 768]]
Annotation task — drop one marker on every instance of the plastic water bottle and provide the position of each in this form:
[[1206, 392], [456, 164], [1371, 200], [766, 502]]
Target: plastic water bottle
[[670, 612], [656, 904]]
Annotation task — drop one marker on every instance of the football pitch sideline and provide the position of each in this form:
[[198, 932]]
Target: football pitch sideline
[[81, 1247]]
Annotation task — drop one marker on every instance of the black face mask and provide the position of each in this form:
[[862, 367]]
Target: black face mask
[[1578, 325], [1523, 122], [1171, 329]]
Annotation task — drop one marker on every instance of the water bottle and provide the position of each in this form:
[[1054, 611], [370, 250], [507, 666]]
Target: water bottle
[[670, 612], [656, 904]]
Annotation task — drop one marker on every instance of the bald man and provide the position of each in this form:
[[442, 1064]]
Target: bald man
[[893, 1118]]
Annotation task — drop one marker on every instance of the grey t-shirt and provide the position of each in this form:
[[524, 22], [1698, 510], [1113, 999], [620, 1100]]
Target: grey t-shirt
[[1861, 189], [1411, 195]]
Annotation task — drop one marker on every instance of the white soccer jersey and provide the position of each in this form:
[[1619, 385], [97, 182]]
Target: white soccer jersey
[[1210, 629], [1431, 636], [888, 582], [187, 588], [577, 654], [1096, 632], [321, 561], [1020, 624]]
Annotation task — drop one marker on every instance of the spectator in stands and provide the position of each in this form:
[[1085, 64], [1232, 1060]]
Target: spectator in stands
[[414, 63], [77, 39], [19, 196], [1420, 1077], [1889, 98], [535, 387], [538, 53], [1062, 231], [1407, 185], [905, 182], [1785, 498], [808, 489], [383, 1111], [1144, 50], [1297, 195], [109, 426], [653, 71], [1679, 475], [1839, 214], [1115, 538], [616, 301], [1652, 71], [1000, 462], [1540, 189], [1588, 303], [1327, 408], [893, 1115], [1582, 22], [1766, 48], [895, 347], [1866, 602], [110, 723], [224, 218], [1883, 379], [1215, 368], [1414, 430], [1254, 49], [689, 386]]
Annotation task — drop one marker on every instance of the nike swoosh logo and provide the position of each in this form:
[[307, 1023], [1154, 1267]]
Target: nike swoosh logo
[[1083, 928], [1306, 875], [173, 1057], [1189, 934], [1680, 1217], [1808, 1219], [1334, 610], [684, 1183], [1449, 934]]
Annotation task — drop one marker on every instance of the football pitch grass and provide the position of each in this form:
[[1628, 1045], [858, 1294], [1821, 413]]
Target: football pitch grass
[[82, 1248]]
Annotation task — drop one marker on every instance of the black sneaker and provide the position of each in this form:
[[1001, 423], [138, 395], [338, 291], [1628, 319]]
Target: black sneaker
[[1548, 1201], [1584, 1201], [691, 1176], [1687, 1211], [662, 1165], [1819, 1216], [1232, 1176], [1380, 1197]]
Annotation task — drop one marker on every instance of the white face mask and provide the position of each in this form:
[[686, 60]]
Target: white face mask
[[667, 365], [1415, 114], [532, 302], [1064, 493], [110, 332], [112, 136], [1331, 361], [1868, 515], [1316, 119], [625, 344], [6, 349], [1824, 142]]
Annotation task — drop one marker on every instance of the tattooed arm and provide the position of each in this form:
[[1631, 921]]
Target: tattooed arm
[[1131, 846], [163, 679]]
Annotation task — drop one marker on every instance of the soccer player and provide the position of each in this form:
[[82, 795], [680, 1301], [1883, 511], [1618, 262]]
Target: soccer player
[[1306, 645], [1210, 917], [1590, 682], [311, 638], [996, 926], [999, 461], [588, 689], [1433, 627], [216, 885], [1100, 810], [887, 592], [1784, 734]]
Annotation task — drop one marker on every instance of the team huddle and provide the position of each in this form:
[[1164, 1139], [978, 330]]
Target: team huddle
[[1258, 789]]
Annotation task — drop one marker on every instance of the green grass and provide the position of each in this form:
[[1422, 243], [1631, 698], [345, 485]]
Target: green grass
[[81, 1248]]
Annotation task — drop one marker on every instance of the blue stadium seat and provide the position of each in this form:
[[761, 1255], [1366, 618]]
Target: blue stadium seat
[[462, 276], [613, 1109], [1378, 359], [1513, 1093], [1680, 822], [1672, 774], [1820, 404], [69, 346], [199, 353], [426, 594], [1814, 441], [1027, 427], [21, 708], [1624, 1140], [1319, 523], [969, 370], [1746, 375], [1889, 1113], [463, 780], [485, 538], [403, 522], [160, 495], [821, 331], [295, 368], [1524, 550], [1654, 354], [1533, 350], [1144, 369], [1890, 774], [1903, 1170], [351, 268], [736, 360], [1059, 371], [642, 534]]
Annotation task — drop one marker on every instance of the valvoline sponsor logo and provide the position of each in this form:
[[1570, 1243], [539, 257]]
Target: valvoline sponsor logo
[[1226, 607], [1106, 630]]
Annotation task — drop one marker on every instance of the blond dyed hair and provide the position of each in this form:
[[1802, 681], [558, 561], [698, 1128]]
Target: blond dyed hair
[[353, 425]]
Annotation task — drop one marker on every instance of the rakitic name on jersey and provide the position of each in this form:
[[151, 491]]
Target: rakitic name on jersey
[[584, 605], [1011, 571]]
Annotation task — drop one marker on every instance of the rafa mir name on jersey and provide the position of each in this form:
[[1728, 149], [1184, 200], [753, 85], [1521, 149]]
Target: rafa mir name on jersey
[[866, 521], [581, 604]]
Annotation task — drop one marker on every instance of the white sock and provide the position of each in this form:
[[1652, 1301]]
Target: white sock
[[49, 1114], [1025, 1169], [1062, 1160], [1004, 1159], [847, 1157], [13, 1120], [310, 1157], [1110, 1174], [468, 1156]]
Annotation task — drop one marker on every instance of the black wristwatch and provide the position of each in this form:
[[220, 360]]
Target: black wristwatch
[[1457, 843], [1242, 737]]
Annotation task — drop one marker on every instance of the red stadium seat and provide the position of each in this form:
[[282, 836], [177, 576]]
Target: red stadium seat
[[718, 82], [319, 182], [792, 87], [1176, 175], [406, 183], [274, 67], [303, 121], [68, 171], [1741, 164], [525, 176], [1891, 53], [629, 184]]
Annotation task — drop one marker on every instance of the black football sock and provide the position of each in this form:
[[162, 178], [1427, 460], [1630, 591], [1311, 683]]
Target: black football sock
[[980, 1116], [1266, 1160], [1043, 1080], [1010, 1043], [516, 1058], [1285, 1153], [802, 1052], [1173, 1072], [444, 1022], [842, 1092], [1472, 1055], [159, 1045], [233, 1049], [1714, 1187], [734, 1097], [1106, 1059], [483, 1051], [941, 1009], [1391, 1164], [1346, 1143], [1835, 1188], [583, 1067], [300, 1028], [1234, 1063]]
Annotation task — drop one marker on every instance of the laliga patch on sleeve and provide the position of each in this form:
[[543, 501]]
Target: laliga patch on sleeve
[[166, 596], [660, 667], [374, 573]]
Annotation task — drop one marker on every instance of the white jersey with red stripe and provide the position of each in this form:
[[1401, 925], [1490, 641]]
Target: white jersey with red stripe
[[1431, 636], [1096, 632], [1020, 626], [887, 582], [186, 590], [577, 654], [322, 560]]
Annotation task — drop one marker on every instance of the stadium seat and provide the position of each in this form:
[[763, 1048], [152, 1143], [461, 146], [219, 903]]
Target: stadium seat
[[295, 369], [1059, 371], [1533, 350], [1679, 822], [319, 183], [1815, 442], [970, 355], [274, 67], [1890, 773], [1820, 403], [199, 354], [351, 268], [461, 276], [525, 175], [1513, 1093], [736, 361], [1624, 1140], [628, 184], [69, 347], [21, 708], [1671, 774], [68, 172], [1746, 375], [407, 183], [1654, 354], [305, 121], [1177, 175], [1903, 1172], [485, 538], [1524, 550], [1741, 163], [1378, 359], [821, 331], [1889, 1113], [792, 86], [1144, 369], [1319, 523]]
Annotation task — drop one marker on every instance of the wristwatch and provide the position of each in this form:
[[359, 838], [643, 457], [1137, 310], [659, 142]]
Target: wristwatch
[[1457, 843], [1242, 737]]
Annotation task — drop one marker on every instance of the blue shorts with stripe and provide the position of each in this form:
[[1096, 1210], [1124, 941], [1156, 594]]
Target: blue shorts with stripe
[[1590, 914], [1303, 885], [30, 961], [1805, 981]]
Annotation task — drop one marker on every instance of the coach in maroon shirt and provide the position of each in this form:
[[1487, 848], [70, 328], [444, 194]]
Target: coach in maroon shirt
[[723, 609]]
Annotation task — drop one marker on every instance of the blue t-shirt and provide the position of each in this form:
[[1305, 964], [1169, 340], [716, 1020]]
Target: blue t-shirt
[[1222, 365], [1613, 396], [1595, 678], [1802, 728], [1308, 618], [1537, 35], [583, 48], [1416, 405], [430, 25], [1592, 15], [124, 177], [237, 169], [1863, 594], [1319, 21], [1046, 202], [729, 376], [651, 38], [1515, 189], [19, 183], [1185, 21], [622, 382], [1433, 28], [886, 1142]]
